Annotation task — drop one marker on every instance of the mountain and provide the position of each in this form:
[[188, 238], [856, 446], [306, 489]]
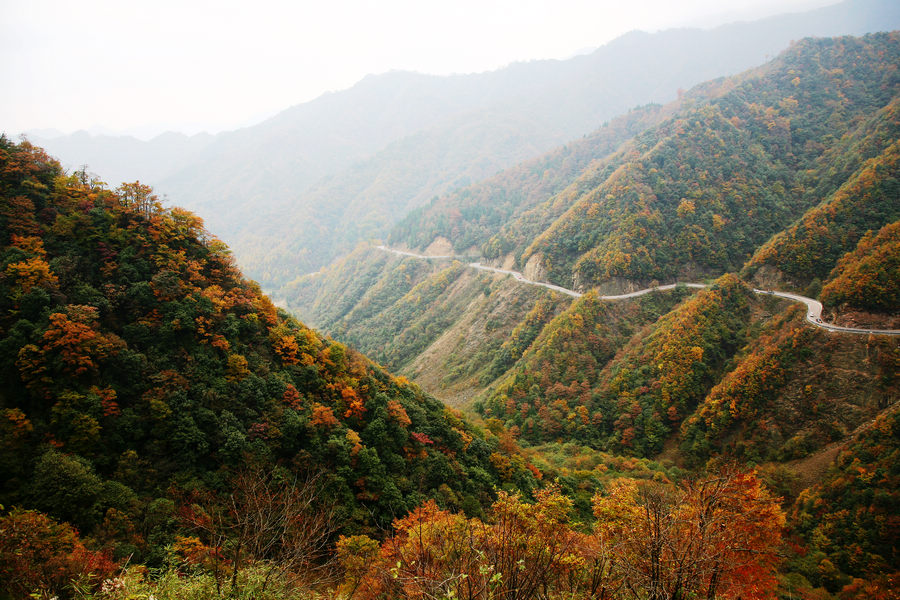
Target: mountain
[[661, 207], [711, 440], [140, 371], [124, 159], [692, 189], [293, 193], [783, 177]]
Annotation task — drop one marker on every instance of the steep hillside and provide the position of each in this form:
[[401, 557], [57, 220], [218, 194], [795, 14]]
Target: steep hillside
[[580, 380], [851, 518], [705, 189], [809, 249], [451, 328], [137, 365], [869, 277], [790, 391], [718, 176]]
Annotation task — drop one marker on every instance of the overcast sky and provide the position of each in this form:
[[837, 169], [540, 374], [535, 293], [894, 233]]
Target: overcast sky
[[146, 67]]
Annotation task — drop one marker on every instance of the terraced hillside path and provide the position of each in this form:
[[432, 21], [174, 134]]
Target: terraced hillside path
[[813, 307]]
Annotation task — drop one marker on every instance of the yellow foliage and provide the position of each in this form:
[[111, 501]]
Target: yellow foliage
[[237, 368], [32, 272]]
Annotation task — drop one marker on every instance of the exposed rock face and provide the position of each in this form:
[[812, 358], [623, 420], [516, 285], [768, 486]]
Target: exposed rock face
[[441, 246], [620, 285], [534, 268], [769, 277]]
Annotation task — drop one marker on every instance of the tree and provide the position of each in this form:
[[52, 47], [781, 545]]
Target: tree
[[66, 487], [38, 553], [280, 523], [139, 198], [712, 537], [522, 551]]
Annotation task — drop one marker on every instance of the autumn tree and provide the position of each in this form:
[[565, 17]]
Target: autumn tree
[[282, 524], [139, 198], [712, 537], [521, 551], [39, 553]]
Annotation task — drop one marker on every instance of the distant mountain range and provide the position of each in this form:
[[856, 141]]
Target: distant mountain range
[[294, 192], [776, 173], [784, 177], [139, 366]]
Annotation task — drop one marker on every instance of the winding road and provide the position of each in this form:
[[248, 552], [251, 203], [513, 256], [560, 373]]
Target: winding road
[[813, 307]]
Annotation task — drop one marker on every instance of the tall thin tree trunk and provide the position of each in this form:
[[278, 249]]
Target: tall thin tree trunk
[[713, 583]]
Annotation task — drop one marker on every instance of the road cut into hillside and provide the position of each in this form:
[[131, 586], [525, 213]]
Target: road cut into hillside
[[813, 307]]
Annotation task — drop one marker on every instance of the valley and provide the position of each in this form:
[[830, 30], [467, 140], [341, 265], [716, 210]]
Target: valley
[[555, 318], [620, 326]]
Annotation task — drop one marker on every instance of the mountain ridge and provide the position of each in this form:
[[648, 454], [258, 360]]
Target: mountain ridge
[[427, 302], [274, 163]]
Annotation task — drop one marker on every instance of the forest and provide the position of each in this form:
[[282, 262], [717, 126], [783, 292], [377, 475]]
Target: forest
[[783, 177], [160, 413], [141, 371], [167, 432]]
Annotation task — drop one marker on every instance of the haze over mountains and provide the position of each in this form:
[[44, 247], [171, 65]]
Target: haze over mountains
[[706, 185], [514, 394], [785, 176], [292, 193]]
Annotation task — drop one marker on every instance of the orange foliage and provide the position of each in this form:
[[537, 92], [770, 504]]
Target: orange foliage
[[354, 439], [80, 346], [219, 341], [522, 551], [265, 308], [19, 213], [398, 413], [107, 401], [29, 243], [37, 553], [291, 397], [192, 551], [286, 348], [717, 537], [355, 405], [322, 416]]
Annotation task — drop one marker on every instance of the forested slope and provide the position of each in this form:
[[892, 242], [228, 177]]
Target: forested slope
[[722, 174], [868, 278], [781, 178], [137, 364], [707, 188]]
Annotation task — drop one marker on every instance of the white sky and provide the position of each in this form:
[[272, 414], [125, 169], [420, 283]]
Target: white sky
[[188, 65]]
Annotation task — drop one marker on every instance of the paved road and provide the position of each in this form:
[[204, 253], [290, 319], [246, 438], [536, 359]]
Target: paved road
[[414, 255], [813, 307], [519, 277]]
